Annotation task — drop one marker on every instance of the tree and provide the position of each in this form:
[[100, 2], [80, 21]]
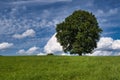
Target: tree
[[78, 33], [50, 54]]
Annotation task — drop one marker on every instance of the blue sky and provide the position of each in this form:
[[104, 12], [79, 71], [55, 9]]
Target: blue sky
[[27, 25]]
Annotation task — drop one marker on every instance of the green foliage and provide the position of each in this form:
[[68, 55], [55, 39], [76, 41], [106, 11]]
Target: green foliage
[[50, 54], [79, 33], [59, 68]]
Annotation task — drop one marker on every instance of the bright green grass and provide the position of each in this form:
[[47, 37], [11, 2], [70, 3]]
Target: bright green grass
[[59, 68]]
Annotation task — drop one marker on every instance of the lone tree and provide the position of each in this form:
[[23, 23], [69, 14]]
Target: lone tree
[[78, 33]]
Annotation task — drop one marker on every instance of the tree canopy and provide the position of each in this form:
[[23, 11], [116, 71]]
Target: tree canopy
[[78, 33]]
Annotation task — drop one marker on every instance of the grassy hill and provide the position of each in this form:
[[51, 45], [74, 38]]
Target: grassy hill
[[59, 68]]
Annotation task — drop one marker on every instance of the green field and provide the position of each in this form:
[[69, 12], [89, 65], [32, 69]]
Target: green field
[[59, 68]]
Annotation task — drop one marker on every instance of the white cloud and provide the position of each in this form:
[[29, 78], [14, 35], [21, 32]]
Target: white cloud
[[101, 53], [99, 13], [113, 11], [15, 25], [110, 12], [41, 54], [30, 51], [105, 47], [39, 1], [65, 54], [116, 44], [46, 23], [109, 33], [5, 45], [106, 16], [28, 33], [105, 42], [53, 46], [22, 51], [38, 19]]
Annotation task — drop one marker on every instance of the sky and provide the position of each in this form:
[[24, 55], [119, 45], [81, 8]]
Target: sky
[[27, 27]]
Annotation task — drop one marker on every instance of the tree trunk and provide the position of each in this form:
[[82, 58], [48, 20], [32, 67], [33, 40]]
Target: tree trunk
[[80, 54]]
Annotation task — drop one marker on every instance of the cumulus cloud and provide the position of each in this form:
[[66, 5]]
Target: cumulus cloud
[[105, 43], [41, 54], [5, 45], [28, 33], [65, 54], [53, 46], [116, 44], [30, 51], [105, 47], [22, 51], [108, 43], [101, 53]]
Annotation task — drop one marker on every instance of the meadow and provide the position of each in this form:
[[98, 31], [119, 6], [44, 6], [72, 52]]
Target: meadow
[[59, 68]]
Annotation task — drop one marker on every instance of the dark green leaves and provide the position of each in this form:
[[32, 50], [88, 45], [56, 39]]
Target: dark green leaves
[[79, 33]]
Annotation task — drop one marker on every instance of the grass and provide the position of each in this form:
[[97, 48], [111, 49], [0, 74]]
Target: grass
[[59, 68]]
